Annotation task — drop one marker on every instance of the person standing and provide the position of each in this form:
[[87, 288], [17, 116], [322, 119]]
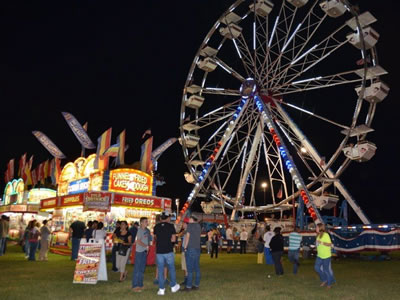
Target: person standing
[[44, 241], [210, 234], [34, 234], [268, 235], [294, 248], [192, 254], [143, 238], [125, 243], [182, 234], [26, 241], [89, 231], [99, 234], [115, 246], [165, 235], [214, 243], [323, 262], [229, 239], [243, 241], [236, 237], [76, 231], [276, 246], [133, 230], [4, 227]]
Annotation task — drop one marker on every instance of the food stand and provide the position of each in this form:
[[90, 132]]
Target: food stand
[[88, 194], [23, 206]]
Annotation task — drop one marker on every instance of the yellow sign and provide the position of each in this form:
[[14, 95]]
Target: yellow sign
[[35, 195], [130, 181]]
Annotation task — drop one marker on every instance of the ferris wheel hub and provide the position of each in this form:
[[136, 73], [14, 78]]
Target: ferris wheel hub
[[248, 88]]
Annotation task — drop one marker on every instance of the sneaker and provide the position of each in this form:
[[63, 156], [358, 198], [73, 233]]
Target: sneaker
[[161, 292], [137, 289], [175, 288], [195, 288], [186, 289]]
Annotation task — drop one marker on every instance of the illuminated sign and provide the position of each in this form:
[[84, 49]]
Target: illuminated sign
[[48, 203], [96, 181], [78, 186], [97, 202], [71, 200], [14, 192], [139, 201], [138, 213], [130, 181], [35, 195]]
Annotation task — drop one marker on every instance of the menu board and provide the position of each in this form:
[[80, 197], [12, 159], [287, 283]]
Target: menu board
[[97, 201], [87, 264]]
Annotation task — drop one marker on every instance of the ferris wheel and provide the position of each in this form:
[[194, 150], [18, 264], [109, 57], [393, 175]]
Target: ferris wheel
[[283, 92]]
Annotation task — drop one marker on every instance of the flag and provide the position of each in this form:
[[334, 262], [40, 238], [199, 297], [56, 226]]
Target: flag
[[46, 172], [85, 127], [103, 143], [40, 173], [78, 131], [55, 170], [27, 177], [146, 165], [160, 149], [6, 179], [30, 163], [10, 169], [48, 144], [147, 132], [21, 168], [111, 151], [121, 150], [34, 177], [280, 193], [58, 169]]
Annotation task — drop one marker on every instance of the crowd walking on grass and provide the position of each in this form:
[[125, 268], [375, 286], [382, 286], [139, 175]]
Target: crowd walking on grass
[[138, 239]]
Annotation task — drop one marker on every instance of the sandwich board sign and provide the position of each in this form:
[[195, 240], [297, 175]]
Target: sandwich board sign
[[91, 263]]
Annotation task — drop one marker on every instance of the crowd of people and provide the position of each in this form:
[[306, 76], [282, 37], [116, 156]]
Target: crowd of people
[[138, 238]]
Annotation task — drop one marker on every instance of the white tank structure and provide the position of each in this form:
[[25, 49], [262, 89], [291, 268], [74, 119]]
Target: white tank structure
[[264, 69]]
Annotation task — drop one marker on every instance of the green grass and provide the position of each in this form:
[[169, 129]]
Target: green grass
[[231, 276]]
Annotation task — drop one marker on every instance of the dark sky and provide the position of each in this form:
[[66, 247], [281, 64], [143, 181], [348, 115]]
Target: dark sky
[[124, 64]]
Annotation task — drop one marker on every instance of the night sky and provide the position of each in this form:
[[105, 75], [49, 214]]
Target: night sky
[[124, 64]]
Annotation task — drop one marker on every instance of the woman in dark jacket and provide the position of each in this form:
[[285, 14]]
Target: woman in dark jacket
[[276, 246]]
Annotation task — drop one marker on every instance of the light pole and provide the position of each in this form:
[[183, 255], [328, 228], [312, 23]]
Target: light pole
[[264, 186]]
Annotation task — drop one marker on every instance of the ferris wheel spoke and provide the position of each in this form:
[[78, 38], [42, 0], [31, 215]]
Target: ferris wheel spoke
[[220, 91], [229, 69], [248, 58], [313, 56], [319, 82]]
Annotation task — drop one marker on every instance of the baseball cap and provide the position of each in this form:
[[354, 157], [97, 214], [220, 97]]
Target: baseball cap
[[165, 215]]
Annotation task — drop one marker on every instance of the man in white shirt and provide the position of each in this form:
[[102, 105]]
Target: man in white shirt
[[268, 235], [229, 238], [243, 241]]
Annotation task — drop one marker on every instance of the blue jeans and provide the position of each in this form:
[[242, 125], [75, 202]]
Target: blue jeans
[[167, 259], [268, 256], [32, 250], [114, 251], [3, 242], [193, 266], [26, 247], [75, 248], [294, 259], [324, 269], [138, 270]]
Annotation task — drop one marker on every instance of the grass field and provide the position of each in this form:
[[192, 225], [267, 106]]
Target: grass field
[[231, 276]]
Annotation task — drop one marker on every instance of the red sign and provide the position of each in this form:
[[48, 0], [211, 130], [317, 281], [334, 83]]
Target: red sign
[[97, 201], [130, 181], [167, 203], [48, 203], [71, 200], [138, 201]]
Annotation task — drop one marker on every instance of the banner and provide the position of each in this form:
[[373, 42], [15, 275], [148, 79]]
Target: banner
[[97, 201], [79, 131], [48, 144], [21, 168], [146, 164], [121, 150], [103, 143], [87, 265], [160, 149]]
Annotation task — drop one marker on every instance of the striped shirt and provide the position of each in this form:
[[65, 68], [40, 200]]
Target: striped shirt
[[294, 241]]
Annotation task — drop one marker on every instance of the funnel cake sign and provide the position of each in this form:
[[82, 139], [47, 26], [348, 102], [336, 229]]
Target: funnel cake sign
[[130, 181]]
